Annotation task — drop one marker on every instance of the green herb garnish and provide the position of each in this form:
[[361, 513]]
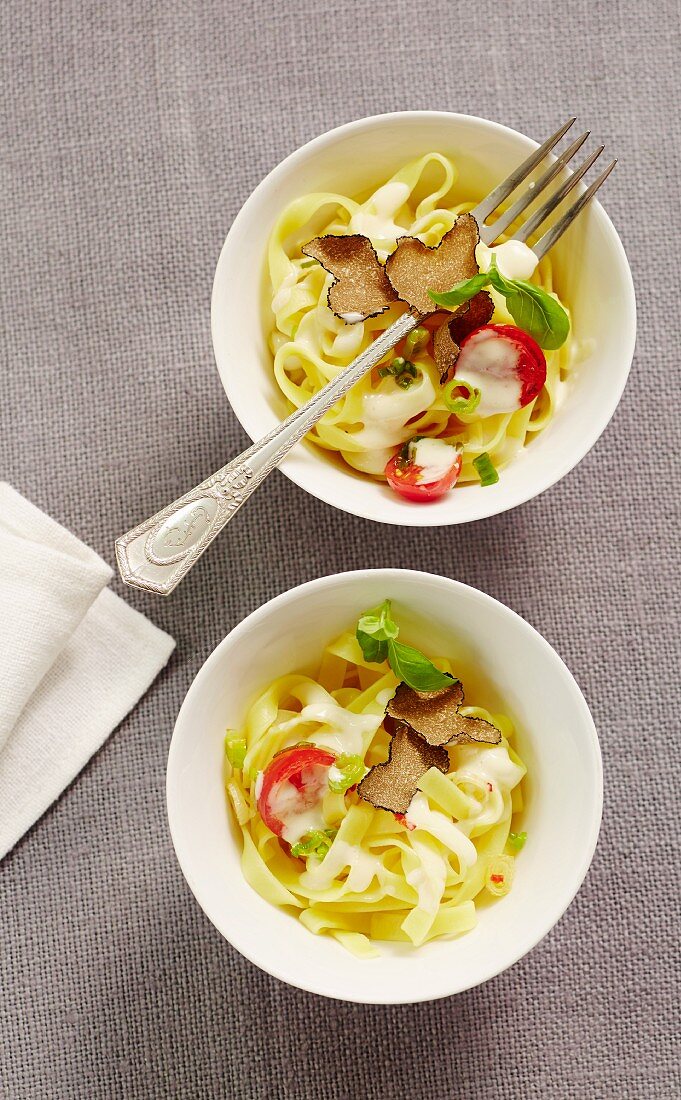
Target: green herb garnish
[[402, 370], [487, 471], [404, 380], [235, 748], [532, 309], [352, 771], [459, 404], [374, 630], [416, 340], [309, 263], [377, 634], [316, 842], [517, 840]]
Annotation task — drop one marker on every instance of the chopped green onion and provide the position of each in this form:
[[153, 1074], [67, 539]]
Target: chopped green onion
[[416, 340], [351, 769], [316, 842], [308, 263], [235, 748], [398, 365], [461, 404], [404, 380], [517, 840], [486, 469]]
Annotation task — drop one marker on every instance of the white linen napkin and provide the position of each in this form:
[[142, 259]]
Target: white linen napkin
[[74, 660]]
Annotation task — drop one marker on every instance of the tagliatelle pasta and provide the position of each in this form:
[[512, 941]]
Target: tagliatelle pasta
[[378, 877], [311, 345]]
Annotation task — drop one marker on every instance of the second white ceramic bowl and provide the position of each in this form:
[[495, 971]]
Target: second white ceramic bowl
[[591, 274], [504, 665]]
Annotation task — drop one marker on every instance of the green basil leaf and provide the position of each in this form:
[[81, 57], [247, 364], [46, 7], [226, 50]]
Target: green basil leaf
[[536, 312], [374, 629], [372, 649], [532, 309], [496, 279], [379, 622], [415, 669], [462, 292]]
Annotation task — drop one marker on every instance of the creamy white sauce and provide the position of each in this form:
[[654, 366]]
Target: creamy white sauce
[[487, 363], [490, 770], [342, 731], [515, 259], [283, 295], [353, 318], [442, 828], [376, 218], [490, 763], [362, 867], [300, 811], [385, 412], [429, 877], [434, 456], [348, 341], [335, 774]]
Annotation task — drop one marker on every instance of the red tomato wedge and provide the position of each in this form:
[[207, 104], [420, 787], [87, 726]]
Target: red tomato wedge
[[297, 768], [505, 363], [406, 477]]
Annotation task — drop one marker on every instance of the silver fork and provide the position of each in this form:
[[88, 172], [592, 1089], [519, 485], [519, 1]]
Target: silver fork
[[159, 552]]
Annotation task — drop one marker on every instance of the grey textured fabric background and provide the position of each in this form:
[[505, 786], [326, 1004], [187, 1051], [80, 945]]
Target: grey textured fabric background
[[131, 134]]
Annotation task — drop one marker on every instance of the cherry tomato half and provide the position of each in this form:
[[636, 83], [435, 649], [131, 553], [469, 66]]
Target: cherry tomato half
[[295, 766], [405, 477]]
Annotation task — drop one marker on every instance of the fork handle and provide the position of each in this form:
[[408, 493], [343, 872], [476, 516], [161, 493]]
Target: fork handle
[[159, 552]]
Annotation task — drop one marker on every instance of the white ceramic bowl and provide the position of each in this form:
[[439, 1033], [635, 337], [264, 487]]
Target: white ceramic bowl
[[592, 275], [503, 662]]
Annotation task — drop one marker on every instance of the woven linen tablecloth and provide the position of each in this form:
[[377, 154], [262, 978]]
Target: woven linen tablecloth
[[131, 134]]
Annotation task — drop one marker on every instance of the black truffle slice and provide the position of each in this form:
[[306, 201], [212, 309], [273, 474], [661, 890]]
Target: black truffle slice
[[469, 316], [391, 786], [415, 268], [361, 288], [434, 716]]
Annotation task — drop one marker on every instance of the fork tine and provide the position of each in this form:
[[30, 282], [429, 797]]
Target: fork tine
[[551, 203], [551, 236], [489, 233], [504, 189]]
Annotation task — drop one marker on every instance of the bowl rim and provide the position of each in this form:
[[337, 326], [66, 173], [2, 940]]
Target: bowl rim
[[421, 517], [588, 840]]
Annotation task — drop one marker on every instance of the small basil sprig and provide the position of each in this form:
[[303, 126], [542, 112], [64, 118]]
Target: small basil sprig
[[374, 630], [532, 309], [377, 635]]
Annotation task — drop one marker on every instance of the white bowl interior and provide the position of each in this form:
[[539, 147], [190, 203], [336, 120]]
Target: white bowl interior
[[592, 276], [505, 664]]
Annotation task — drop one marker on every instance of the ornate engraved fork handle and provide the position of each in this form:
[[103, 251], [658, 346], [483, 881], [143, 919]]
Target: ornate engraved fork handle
[[159, 552]]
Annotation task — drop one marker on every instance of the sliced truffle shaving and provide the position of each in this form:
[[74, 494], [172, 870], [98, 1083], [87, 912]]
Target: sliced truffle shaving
[[361, 288], [414, 268], [469, 316], [391, 786], [434, 716]]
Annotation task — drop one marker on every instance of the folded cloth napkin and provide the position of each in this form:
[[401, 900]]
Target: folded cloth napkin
[[74, 660]]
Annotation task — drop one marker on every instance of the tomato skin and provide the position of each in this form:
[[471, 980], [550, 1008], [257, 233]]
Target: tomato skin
[[402, 476], [287, 766], [530, 368]]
